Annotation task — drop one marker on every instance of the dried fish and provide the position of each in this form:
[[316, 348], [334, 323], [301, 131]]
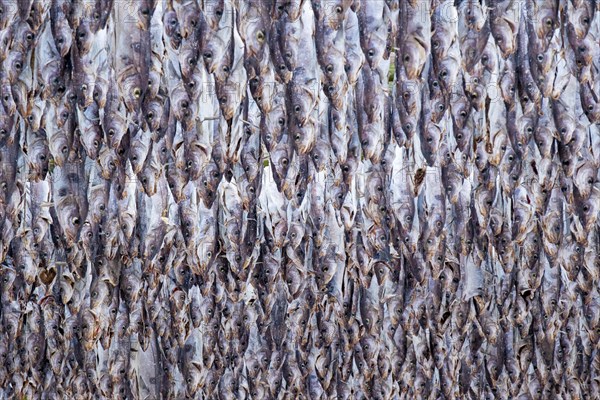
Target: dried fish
[[289, 198]]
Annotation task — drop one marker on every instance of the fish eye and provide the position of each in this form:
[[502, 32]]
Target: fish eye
[[329, 68], [18, 65], [339, 9], [297, 109], [137, 92], [260, 36], [225, 68], [540, 57], [208, 55], [371, 53]]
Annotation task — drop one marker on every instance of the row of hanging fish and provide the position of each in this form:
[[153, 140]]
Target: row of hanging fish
[[290, 199]]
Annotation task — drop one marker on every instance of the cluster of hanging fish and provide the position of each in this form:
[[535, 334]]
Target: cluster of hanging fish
[[299, 199]]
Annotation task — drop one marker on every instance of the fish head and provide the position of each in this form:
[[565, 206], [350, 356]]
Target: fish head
[[132, 89], [84, 38], [214, 10], [414, 56], [335, 13], [228, 96], [430, 142]]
